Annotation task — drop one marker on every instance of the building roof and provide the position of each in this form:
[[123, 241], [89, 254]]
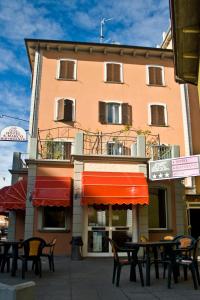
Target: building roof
[[33, 44], [185, 19]]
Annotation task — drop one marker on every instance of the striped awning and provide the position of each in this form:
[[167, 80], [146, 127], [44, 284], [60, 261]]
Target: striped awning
[[15, 196], [114, 188], [52, 191]]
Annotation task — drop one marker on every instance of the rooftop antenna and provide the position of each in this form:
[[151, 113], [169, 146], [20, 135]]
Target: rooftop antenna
[[103, 20]]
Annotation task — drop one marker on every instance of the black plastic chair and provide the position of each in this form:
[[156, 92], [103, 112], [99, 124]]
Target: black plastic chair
[[32, 249], [50, 254], [186, 255], [131, 260]]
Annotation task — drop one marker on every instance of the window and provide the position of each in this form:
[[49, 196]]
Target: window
[[66, 69], [114, 148], [58, 150], [113, 72], [65, 110], [115, 113], [155, 75], [157, 114], [157, 208], [54, 217]]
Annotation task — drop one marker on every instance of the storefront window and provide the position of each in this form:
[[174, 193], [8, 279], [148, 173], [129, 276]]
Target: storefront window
[[54, 217], [157, 209], [98, 216]]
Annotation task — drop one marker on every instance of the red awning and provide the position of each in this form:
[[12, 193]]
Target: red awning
[[15, 196], [52, 191], [3, 192], [114, 188]]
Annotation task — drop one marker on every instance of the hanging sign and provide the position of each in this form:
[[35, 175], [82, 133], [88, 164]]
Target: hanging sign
[[13, 133], [172, 168]]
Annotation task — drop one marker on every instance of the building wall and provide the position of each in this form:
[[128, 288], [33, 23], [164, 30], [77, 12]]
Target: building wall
[[90, 88]]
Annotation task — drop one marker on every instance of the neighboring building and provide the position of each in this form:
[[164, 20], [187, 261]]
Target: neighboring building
[[99, 112], [185, 20]]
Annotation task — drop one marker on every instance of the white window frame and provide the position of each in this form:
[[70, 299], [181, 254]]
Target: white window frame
[[58, 69], [118, 145], [121, 71], [55, 116], [120, 111], [147, 75], [166, 210], [64, 140], [165, 113], [40, 221]]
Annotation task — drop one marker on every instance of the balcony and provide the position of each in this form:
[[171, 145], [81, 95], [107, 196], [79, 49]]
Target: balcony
[[60, 143]]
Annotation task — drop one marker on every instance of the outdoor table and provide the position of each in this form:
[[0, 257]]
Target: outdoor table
[[154, 246], [15, 245]]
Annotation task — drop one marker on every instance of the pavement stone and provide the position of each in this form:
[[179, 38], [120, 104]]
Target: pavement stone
[[90, 279]]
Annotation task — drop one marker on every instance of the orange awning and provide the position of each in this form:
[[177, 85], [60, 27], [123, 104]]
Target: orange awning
[[15, 196], [52, 191], [114, 188]]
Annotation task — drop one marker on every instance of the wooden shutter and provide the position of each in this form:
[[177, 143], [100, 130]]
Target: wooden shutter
[[68, 110], [102, 112], [158, 75], [157, 115], [155, 75], [67, 69], [60, 110], [126, 114], [113, 72], [63, 69], [70, 70]]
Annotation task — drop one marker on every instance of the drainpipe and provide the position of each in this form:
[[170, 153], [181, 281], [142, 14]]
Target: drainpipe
[[186, 127]]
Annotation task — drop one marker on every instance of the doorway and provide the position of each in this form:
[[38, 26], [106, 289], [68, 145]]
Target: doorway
[[103, 221], [195, 222]]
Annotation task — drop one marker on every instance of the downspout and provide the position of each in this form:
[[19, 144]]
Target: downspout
[[186, 127]]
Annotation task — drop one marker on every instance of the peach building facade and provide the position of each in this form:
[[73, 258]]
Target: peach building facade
[[99, 113]]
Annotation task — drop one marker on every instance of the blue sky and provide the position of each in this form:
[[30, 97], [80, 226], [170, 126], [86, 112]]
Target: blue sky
[[135, 22]]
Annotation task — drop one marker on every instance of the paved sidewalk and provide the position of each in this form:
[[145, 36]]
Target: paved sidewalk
[[90, 279]]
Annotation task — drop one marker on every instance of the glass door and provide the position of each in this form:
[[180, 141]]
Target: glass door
[[107, 221]]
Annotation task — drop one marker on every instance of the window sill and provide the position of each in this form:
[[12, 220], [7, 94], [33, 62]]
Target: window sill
[[160, 230], [54, 230], [65, 79], [117, 82], [156, 85], [154, 125]]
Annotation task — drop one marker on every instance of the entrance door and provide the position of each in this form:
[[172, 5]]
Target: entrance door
[[107, 221], [194, 222]]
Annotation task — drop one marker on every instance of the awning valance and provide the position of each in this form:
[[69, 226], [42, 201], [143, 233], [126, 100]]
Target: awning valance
[[52, 191], [114, 188], [15, 196]]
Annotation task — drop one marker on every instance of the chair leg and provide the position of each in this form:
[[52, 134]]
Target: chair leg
[[23, 268], [118, 274], [114, 272], [141, 274], [52, 263], [40, 268], [197, 271], [185, 272], [192, 269]]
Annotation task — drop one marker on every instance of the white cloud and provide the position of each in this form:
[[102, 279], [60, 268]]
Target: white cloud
[[10, 61], [20, 19], [14, 101]]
